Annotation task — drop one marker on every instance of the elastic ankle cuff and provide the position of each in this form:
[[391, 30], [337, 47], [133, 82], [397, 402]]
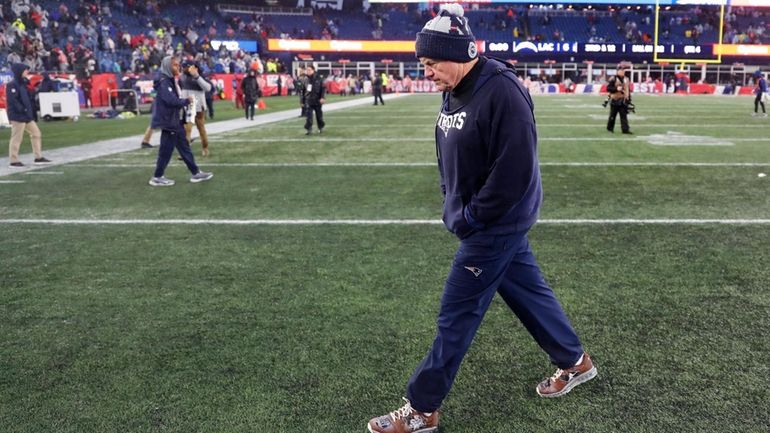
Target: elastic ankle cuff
[[569, 364], [419, 408]]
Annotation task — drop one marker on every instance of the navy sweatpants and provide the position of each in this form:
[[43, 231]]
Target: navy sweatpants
[[484, 265], [170, 139]]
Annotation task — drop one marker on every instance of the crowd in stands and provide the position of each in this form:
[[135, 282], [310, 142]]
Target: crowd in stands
[[685, 25], [84, 37], [745, 26], [625, 24]]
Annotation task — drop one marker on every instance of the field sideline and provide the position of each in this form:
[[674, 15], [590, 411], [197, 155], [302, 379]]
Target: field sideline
[[297, 290]]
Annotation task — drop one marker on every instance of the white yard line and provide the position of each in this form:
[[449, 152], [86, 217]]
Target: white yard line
[[655, 125], [341, 124], [125, 144], [656, 221], [316, 139], [626, 221], [299, 127], [11, 181], [279, 164], [433, 164], [43, 172], [655, 164], [431, 139], [340, 116], [619, 137], [598, 107], [243, 138], [631, 118]]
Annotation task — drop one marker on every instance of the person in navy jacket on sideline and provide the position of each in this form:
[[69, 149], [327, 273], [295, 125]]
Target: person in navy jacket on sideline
[[23, 116], [165, 116], [486, 144]]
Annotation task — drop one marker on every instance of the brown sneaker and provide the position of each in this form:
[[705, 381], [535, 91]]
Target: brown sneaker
[[563, 381], [405, 420]]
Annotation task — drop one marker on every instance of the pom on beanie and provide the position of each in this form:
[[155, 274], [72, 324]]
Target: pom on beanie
[[447, 36], [453, 8]]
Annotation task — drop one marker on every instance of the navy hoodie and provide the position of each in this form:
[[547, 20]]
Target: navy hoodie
[[165, 108], [486, 144], [18, 97]]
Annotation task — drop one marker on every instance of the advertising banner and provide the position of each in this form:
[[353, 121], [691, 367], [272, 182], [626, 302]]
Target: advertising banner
[[340, 46], [247, 46], [742, 50], [627, 49], [307, 45]]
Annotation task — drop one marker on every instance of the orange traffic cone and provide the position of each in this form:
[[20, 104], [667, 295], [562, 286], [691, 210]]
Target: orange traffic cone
[[261, 104]]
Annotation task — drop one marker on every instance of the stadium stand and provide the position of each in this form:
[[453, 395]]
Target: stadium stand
[[85, 37]]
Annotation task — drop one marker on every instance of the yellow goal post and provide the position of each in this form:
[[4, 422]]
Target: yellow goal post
[[717, 45]]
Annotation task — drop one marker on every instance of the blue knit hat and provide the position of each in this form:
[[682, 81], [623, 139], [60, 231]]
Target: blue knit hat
[[447, 36], [757, 73]]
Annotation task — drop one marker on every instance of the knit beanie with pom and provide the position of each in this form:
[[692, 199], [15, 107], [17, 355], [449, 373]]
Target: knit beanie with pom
[[447, 36]]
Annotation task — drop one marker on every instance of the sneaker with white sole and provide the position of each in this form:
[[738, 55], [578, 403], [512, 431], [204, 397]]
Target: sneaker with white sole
[[405, 420], [42, 161], [564, 380], [161, 181], [201, 176]]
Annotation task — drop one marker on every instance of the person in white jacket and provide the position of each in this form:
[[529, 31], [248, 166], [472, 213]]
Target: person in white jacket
[[193, 84]]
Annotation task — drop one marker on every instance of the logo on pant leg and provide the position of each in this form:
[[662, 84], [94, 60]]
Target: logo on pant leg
[[476, 271]]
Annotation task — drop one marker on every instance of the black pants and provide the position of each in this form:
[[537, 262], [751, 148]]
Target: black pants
[[319, 116], [378, 95], [758, 102], [616, 109], [249, 107]]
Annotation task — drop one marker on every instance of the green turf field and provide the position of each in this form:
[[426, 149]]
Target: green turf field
[[255, 317]]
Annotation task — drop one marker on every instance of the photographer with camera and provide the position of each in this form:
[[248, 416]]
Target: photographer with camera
[[619, 94]]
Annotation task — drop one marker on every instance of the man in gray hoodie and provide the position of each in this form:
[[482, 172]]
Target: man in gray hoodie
[[165, 116]]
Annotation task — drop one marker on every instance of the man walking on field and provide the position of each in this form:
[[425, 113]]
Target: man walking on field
[[486, 144]]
